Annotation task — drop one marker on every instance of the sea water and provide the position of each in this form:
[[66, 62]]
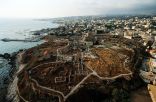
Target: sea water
[[20, 29]]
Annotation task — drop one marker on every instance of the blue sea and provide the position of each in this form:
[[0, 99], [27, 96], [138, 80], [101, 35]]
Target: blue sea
[[20, 29]]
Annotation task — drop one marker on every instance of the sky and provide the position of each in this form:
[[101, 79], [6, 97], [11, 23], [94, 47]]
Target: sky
[[62, 8]]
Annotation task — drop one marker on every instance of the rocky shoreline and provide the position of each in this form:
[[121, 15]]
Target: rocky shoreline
[[8, 70], [12, 89]]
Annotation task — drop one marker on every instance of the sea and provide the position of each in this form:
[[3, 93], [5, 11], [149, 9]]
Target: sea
[[20, 29], [17, 29]]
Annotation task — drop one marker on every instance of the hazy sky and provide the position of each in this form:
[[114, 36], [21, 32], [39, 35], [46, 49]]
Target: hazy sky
[[58, 8]]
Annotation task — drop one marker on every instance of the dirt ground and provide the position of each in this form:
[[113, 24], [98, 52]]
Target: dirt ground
[[141, 95]]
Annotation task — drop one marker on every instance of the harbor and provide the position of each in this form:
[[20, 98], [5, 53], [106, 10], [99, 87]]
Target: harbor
[[34, 39]]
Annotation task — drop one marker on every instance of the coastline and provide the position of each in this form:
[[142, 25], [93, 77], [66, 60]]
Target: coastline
[[12, 89], [14, 60], [16, 66], [10, 69], [22, 29]]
